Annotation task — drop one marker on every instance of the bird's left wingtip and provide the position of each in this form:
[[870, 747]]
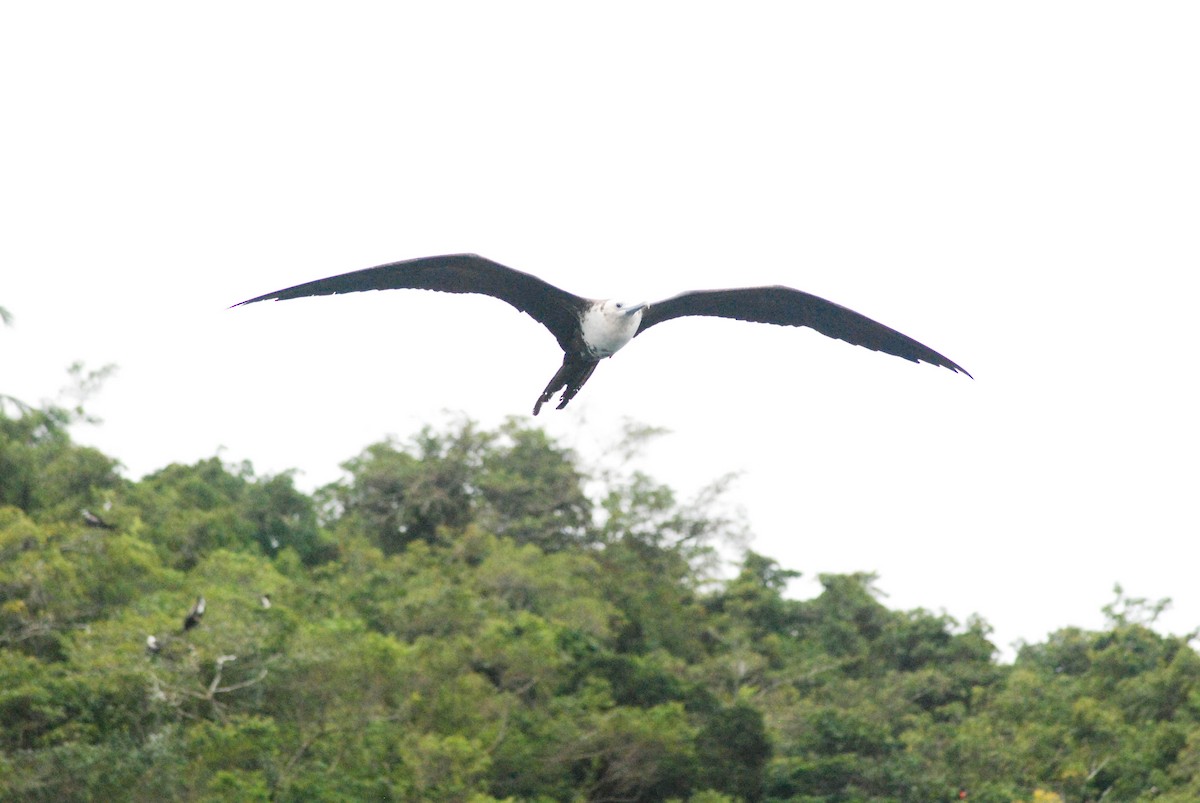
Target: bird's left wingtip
[[958, 369]]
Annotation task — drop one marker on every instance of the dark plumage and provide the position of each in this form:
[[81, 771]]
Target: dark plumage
[[194, 615], [589, 330], [92, 520]]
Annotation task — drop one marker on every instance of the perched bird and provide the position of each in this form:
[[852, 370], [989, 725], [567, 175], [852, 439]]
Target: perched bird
[[194, 615], [265, 600], [152, 644], [588, 330], [92, 520]]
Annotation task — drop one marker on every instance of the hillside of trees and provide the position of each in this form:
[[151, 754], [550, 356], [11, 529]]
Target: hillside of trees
[[470, 616]]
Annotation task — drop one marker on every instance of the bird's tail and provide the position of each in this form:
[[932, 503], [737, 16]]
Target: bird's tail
[[570, 377]]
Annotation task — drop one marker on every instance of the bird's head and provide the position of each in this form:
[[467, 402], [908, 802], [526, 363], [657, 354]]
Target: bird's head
[[621, 308]]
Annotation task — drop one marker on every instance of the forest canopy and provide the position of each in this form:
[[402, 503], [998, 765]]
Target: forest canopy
[[464, 616]]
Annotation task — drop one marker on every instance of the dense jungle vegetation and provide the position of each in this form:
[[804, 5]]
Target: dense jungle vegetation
[[470, 616]]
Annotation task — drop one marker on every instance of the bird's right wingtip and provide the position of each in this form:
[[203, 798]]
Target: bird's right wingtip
[[276, 296]]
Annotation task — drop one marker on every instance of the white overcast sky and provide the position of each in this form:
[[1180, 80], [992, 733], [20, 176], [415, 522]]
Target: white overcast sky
[[1016, 184]]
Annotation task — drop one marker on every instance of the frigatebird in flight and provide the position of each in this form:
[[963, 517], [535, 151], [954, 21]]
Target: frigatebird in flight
[[588, 330]]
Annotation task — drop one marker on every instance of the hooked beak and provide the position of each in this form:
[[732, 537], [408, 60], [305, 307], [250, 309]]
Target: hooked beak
[[634, 308]]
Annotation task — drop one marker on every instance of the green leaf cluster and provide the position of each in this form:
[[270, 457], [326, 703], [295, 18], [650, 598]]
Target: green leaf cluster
[[472, 616]]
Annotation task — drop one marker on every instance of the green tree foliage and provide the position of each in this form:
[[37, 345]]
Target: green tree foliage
[[515, 482], [457, 619], [187, 511], [45, 474]]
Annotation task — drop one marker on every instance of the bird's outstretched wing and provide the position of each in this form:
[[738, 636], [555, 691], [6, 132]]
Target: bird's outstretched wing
[[555, 309], [787, 307]]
